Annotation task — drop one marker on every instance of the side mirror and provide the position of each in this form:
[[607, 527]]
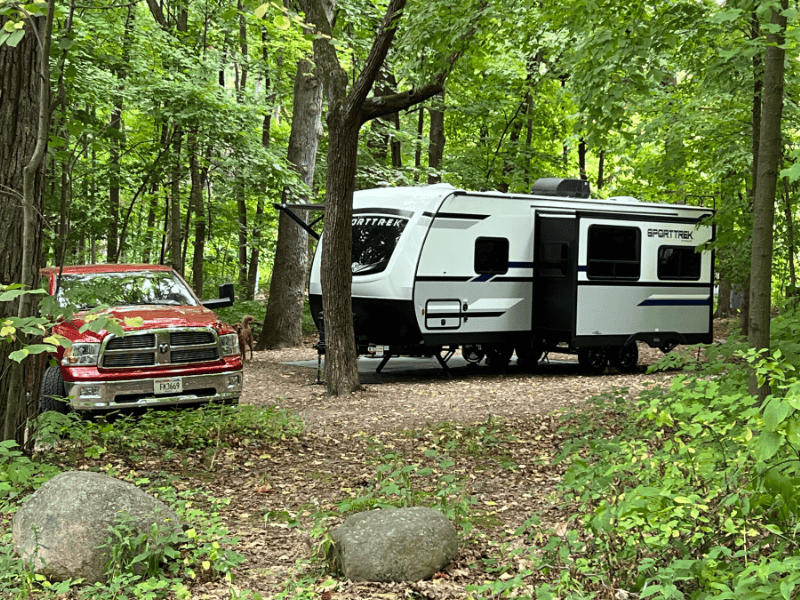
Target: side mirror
[[226, 298]]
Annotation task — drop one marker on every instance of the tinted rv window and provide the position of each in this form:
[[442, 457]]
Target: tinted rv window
[[613, 252], [491, 255], [374, 240], [678, 262]]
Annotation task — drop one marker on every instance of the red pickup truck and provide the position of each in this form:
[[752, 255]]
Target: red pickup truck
[[177, 352]]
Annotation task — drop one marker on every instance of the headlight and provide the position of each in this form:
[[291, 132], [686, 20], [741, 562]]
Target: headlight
[[81, 354], [230, 344]]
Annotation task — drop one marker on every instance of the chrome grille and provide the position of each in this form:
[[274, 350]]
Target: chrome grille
[[198, 355], [147, 340], [116, 361], [160, 347], [191, 338]]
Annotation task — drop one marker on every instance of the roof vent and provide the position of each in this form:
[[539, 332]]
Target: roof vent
[[556, 186]]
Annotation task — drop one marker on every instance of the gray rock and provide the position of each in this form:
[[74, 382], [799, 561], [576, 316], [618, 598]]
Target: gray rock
[[60, 527], [403, 544]]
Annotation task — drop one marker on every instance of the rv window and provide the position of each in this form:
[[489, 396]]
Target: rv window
[[613, 252], [491, 255], [374, 240], [678, 262]]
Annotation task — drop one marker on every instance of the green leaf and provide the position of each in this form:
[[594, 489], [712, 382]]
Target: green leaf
[[767, 445], [282, 22], [775, 413], [261, 11], [15, 38], [19, 355]]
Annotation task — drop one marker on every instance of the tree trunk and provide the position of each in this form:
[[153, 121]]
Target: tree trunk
[[196, 201], [764, 199], [284, 319], [175, 237], [723, 299], [346, 113], [787, 198], [758, 87], [24, 130], [436, 144]]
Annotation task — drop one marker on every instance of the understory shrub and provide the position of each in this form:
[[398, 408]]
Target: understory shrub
[[695, 494]]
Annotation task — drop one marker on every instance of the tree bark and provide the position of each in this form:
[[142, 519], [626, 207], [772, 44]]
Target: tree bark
[[175, 237], [436, 143], [284, 319], [24, 130], [196, 202], [346, 113], [764, 198]]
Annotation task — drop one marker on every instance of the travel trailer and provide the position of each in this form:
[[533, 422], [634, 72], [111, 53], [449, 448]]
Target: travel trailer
[[437, 269]]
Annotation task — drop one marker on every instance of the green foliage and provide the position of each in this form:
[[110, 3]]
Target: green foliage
[[210, 426], [692, 495]]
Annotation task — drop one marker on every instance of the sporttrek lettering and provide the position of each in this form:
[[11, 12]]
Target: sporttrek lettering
[[670, 234], [376, 221]]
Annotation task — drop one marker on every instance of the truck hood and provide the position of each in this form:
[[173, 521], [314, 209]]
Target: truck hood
[[153, 317]]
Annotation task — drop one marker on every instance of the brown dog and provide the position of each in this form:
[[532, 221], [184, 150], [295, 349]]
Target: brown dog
[[245, 336]]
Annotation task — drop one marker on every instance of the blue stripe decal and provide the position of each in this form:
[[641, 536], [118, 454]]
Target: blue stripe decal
[[581, 268], [484, 277], [676, 302], [520, 265]]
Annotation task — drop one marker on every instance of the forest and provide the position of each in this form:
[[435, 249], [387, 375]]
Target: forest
[[167, 131]]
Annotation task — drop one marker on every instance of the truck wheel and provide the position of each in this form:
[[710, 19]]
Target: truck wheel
[[593, 360], [498, 356], [53, 393], [625, 358]]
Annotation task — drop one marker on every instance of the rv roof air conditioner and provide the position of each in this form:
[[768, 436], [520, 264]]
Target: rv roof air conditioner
[[556, 186]]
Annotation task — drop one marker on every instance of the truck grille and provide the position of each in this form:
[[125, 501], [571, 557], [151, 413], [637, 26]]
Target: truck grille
[[160, 347]]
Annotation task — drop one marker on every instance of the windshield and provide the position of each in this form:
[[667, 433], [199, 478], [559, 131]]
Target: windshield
[[374, 240], [88, 290]]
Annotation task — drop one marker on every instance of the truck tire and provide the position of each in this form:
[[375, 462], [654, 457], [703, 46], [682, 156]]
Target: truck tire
[[53, 394], [593, 360], [626, 358]]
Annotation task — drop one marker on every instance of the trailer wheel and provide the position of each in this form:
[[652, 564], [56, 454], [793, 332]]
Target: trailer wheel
[[625, 358], [593, 360], [528, 358], [473, 354], [53, 393], [497, 356]]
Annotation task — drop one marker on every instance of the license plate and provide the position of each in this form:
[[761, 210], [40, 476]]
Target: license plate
[[173, 385], [377, 350]]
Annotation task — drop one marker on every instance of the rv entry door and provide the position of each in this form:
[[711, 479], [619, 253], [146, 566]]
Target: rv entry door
[[555, 276]]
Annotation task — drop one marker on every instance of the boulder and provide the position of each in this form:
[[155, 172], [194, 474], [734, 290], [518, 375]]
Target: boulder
[[402, 544], [59, 528]]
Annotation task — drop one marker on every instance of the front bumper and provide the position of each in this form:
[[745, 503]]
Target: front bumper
[[225, 387]]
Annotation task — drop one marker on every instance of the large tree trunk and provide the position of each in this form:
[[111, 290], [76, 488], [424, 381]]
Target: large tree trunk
[[24, 129], [284, 319], [175, 238], [196, 201], [347, 112], [764, 199]]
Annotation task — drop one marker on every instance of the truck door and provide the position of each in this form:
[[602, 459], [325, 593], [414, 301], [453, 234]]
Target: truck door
[[555, 276]]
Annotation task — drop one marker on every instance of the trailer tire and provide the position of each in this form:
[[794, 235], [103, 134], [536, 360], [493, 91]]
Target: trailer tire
[[593, 360], [497, 356], [472, 353], [52, 396], [626, 358], [528, 358]]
